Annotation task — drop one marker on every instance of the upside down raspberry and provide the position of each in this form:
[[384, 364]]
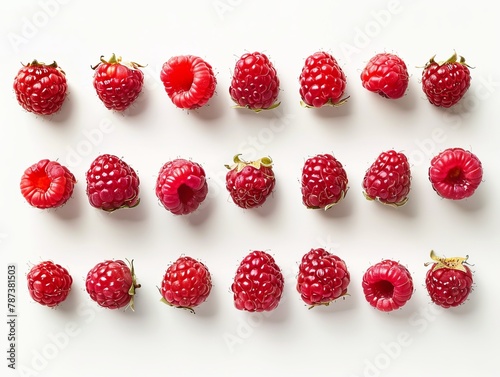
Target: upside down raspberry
[[323, 182], [41, 88], [255, 84], [448, 281], [322, 81], [181, 186], [386, 74], [49, 283], [323, 277], [47, 184], [188, 80], [186, 284], [387, 285], [258, 283], [117, 83]]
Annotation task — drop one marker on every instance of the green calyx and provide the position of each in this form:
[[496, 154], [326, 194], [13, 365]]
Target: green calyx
[[396, 205], [455, 58], [134, 285], [273, 106], [453, 263], [114, 59], [328, 103], [239, 164]]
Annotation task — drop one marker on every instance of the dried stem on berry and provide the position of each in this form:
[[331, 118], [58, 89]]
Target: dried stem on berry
[[239, 163], [273, 106], [134, 285], [454, 263]]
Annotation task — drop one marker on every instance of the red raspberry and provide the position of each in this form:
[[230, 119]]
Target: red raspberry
[[112, 284], [188, 80], [255, 84], [387, 75], [448, 281], [112, 184], [41, 88], [47, 184], [186, 284], [322, 81], [455, 173], [324, 182], [48, 283], [388, 179], [181, 186], [250, 183], [258, 283], [387, 285], [117, 84], [445, 83], [323, 277]]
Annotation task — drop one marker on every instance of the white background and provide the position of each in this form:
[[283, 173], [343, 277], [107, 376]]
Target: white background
[[348, 338]]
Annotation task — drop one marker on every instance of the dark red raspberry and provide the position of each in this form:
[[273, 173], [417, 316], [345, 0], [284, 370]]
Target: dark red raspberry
[[387, 75], [49, 284]]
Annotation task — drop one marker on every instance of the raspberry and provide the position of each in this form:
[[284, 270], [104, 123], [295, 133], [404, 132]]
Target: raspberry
[[323, 277], [181, 186], [250, 183], [385, 74], [255, 84], [41, 88], [112, 184], [455, 173], [112, 284], [49, 284], [387, 285], [117, 84], [322, 81], [323, 182], [258, 283], [445, 83], [388, 179], [47, 184], [188, 80], [448, 281], [186, 284]]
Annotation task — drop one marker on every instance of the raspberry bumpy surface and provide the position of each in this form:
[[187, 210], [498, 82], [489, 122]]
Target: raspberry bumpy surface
[[49, 283], [386, 74]]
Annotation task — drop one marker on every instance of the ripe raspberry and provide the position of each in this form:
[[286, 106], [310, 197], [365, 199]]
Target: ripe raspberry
[[322, 81], [385, 74], [448, 281], [47, 184], [250, 183], [112, 184], [117, 84], [188, 80], [41, 88], [48, 283], [387, 285], [455, 173], [323, 277], [181, 186], [445, 83], [186, 284], [323, 182], [258, 283], [112, 284], [388, 179], [255, 84]]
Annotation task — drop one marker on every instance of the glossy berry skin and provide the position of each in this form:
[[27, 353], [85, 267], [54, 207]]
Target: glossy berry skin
[[387, 285], [117, 84], [49, 283], [258, 283], [112, 184], [186, 284], [188, 80], [323, 182], [448, 281], [322, 81], [455, 173], [250, 183], [112, 284], [323, 277], [386, 74], [445, 83], [255, 84], [181, 186], [41, 88], [388, 179], [47, 184]]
